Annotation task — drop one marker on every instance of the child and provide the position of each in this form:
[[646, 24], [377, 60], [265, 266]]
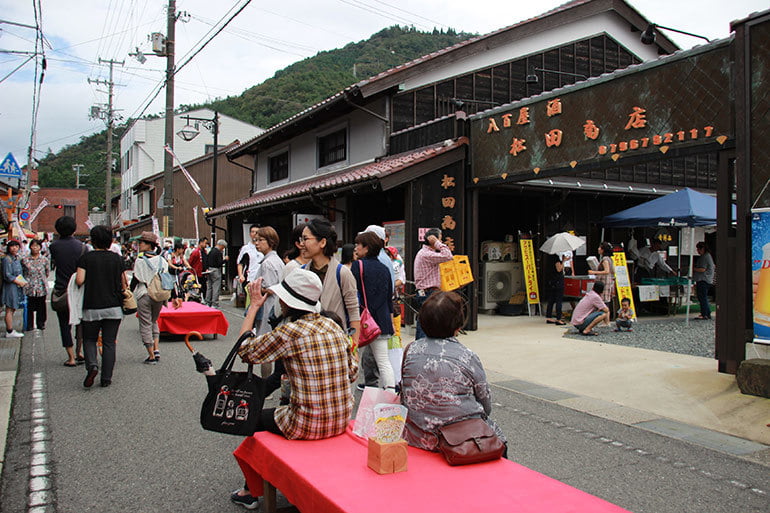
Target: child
[[625, 315]]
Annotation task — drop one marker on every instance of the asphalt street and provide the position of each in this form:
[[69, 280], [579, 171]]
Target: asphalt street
[[137, 445]]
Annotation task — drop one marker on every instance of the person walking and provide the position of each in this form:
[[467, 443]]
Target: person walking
[[216, 259], [427, 278], [65, 253], [249, 259], [148, 264], [101, 274], [374, 287], [36, 269], [13, 281], [703, 276]]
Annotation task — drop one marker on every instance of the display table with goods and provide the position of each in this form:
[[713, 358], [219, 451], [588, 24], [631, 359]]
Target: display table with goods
[[192, 316], [332, 476]]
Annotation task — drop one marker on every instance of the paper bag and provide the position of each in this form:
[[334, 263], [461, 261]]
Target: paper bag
[[372, 396]]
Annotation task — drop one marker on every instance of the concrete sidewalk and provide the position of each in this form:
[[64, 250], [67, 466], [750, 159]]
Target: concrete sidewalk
[[676, 395], [9, 363]]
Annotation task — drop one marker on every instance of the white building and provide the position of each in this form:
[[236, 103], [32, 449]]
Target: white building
[[142, 154]]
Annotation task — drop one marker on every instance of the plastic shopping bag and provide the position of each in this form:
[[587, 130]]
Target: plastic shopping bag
[[364, 425], [395, 355]]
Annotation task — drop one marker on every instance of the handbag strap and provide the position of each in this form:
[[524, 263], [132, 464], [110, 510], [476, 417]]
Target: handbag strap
[[227, 365], [363, 287]]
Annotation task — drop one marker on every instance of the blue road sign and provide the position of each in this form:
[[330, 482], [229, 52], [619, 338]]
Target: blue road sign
[[9, 167], [24, 215]]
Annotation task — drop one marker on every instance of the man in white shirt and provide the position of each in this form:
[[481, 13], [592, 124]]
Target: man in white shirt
[[650, 260], [249, 259]]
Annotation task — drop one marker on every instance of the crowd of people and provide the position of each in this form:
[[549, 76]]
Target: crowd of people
[[303, 315], [596, 307]]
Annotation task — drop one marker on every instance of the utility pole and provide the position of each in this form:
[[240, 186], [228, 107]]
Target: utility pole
[[168, 162], [109, 117]]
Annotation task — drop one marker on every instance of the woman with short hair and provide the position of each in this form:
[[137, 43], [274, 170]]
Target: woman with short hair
[[442, 381], [12, 286], [100, 272]]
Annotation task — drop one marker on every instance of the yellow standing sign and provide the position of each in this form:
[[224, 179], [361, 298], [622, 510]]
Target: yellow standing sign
[[622, 279], [530, 271]]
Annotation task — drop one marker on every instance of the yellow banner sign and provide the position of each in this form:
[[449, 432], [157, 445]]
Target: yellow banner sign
[[530, 271], [622, 279]]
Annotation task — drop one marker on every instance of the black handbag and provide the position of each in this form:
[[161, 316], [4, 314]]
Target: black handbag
[[234, 402]]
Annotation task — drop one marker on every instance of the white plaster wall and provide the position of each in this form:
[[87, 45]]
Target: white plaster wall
[[608, 22], [366, 141]]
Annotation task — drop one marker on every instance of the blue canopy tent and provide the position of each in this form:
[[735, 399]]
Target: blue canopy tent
[[682, 208]]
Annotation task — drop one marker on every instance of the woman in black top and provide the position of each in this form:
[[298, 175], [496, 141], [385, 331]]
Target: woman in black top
[[556, 293], [101, 271], [379, 300]]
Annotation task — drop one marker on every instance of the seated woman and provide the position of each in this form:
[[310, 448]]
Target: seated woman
[[318, 360], [442, 380]]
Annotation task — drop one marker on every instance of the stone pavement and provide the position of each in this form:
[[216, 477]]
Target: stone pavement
[[675, 395]]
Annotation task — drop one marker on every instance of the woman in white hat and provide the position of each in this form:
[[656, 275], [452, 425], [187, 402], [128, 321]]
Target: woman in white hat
[[318, 359]]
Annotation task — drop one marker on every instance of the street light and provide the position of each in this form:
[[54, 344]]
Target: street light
[[190, 132], [648, 36]]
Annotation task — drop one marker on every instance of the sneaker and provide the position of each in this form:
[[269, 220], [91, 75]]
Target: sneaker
[[150, 361], [616, 330], [93, 371], [157, 355], [630, 329], [14, 334], [360, 387], [106, 383], [247, 501]]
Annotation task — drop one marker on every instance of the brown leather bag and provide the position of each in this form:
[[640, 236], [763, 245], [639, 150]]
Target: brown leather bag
[[469, 441]]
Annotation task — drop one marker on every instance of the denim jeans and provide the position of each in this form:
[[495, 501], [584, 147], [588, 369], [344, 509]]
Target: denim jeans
[[418, 301], [702, 289]]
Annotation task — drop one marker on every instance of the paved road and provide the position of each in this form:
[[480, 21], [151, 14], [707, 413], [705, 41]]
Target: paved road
[[137, 445]]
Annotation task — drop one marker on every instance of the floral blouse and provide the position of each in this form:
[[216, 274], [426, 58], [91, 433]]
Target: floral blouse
[[36, 271], [442, 382]]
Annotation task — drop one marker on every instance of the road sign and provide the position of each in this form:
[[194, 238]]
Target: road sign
[[24, 215], [9, 167]]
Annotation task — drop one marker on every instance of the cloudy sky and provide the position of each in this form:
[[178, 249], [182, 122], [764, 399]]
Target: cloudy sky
[[264, 38]]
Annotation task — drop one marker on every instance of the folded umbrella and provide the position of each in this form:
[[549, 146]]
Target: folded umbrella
[[560, 243]]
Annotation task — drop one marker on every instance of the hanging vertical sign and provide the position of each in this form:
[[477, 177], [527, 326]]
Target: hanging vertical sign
[[155, 227], [39, 209], [530, 271], [622, 279]]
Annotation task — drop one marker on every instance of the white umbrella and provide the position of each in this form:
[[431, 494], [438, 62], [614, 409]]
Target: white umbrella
[[560, 243]]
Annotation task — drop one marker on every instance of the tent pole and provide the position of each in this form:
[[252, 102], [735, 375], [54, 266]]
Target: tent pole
[[689, 274]]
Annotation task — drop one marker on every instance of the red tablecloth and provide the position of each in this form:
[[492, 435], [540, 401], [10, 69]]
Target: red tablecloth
[[331, 476], [192, 316]]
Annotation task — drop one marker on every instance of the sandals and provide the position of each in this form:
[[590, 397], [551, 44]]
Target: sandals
[[589, 334], [560, 323], [68, 364]]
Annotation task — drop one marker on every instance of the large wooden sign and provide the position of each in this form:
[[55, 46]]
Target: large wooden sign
[[678, 102]]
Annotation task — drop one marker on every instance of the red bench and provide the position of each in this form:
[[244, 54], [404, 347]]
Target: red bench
[[331, 476]]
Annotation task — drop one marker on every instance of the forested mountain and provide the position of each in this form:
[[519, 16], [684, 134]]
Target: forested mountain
[[289, 91]]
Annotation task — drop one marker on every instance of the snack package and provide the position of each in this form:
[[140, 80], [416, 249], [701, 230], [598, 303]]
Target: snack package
[[389, 420], [372, 396]]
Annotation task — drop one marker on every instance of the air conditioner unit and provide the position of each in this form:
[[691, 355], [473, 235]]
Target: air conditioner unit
[[499, 281]]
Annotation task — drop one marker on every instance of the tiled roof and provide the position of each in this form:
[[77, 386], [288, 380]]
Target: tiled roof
[[354, 87], [348, 176]]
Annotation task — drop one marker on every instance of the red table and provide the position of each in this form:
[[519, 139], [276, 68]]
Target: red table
[[192, 316], [331, 476]]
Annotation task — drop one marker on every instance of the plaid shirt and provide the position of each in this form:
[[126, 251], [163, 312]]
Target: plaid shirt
[[426, 273], [320, 366]]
